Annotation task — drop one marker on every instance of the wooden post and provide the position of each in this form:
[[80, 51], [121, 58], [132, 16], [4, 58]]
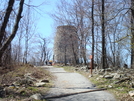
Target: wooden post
[[91, 65]]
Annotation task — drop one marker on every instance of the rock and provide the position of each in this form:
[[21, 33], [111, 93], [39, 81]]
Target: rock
[[16, 83], [21, 90], [109, 86], [25, 82], [131, 93], [40, 84], [91, 75], [11, 87], [37, 96], [101, 70], [77, 66], [2, 92], [83, 68], [46, 81], [28, 76], [116, 76], [76, 69], [108, 76], [101, 76], [98, 78], [132, 84], [108, 69]]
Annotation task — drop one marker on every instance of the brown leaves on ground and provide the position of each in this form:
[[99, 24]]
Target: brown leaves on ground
[[9, 75]]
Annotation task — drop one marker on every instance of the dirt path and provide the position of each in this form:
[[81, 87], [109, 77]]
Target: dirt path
[[74, 87]]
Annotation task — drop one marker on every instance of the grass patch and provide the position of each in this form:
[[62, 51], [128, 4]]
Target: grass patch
[[33, 89]]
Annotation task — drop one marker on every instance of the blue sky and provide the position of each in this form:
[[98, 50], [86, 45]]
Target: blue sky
[[45, 22]]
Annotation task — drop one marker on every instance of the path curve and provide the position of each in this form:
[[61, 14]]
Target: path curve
[[70, 83]]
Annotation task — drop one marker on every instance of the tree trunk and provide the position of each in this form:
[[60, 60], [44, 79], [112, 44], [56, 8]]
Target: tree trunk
[[6, 18], [27, 35], [8, 41], [103, 35], [132, 33], [92, 33]]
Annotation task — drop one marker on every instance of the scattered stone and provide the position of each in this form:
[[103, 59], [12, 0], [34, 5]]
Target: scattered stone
[[83, 68], [131, 93], [28, 76], [46, 81], [11, 87], [37, 96], [110, 86], [25, 82], [101, 70], [2, 92], [76, 69], [101, 76], [91, 75], [77, 66], [116, 76], [132, 84], [98, 78], [108, 69], [108, 76], [21, 90], [41, 84]]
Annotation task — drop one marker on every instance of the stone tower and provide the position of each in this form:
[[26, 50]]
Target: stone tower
[[66, 45]]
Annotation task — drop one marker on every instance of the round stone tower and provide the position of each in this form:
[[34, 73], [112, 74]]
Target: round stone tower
[[66, 45]]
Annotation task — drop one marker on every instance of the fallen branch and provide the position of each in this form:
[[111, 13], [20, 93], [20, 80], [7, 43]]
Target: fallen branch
[[123, 80], [65, 95]]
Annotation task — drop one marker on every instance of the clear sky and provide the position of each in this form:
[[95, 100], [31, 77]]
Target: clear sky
[[45, 22]]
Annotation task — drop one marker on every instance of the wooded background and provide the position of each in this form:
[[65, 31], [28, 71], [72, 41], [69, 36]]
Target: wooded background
[[19, 40], [105, 29]]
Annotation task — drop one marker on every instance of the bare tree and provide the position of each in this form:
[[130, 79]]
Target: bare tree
[[103, 35], [10, 38], [43, 50], [6, 18], [109, 27]]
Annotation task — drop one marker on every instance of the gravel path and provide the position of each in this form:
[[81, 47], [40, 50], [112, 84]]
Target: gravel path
[[75, 84]]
